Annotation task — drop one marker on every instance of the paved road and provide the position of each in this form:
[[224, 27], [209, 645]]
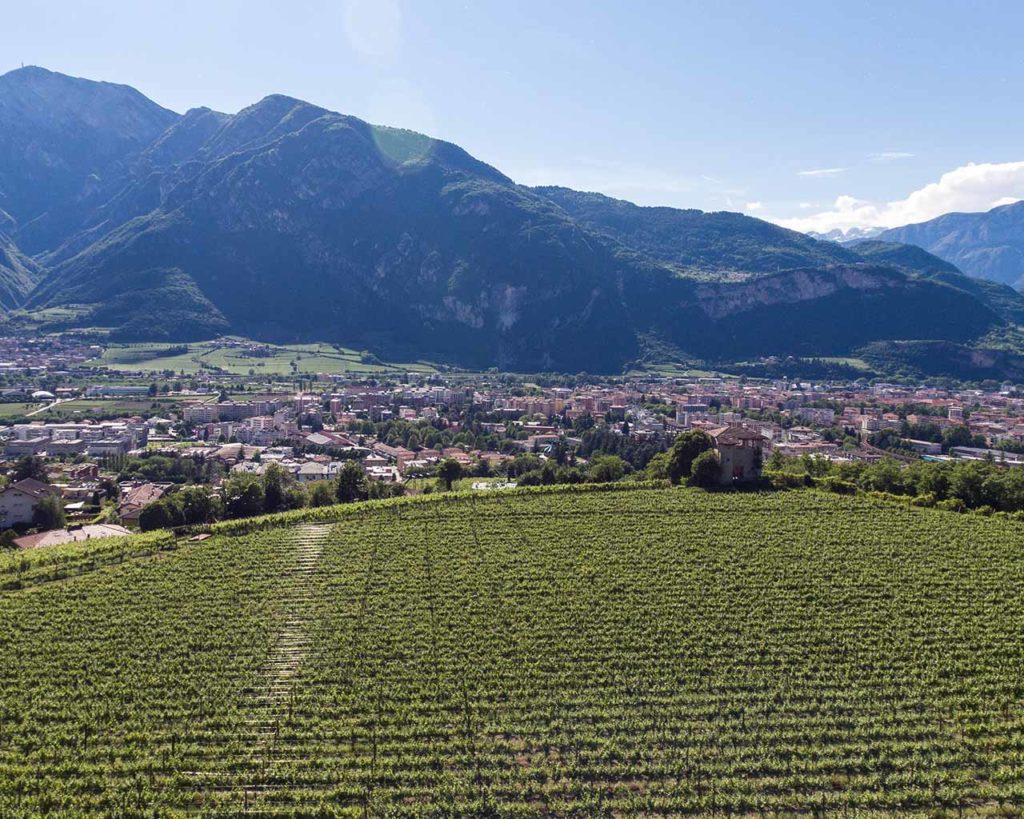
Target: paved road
[[48, 406]]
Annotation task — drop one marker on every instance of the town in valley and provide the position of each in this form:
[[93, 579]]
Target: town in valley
[[91, 451]]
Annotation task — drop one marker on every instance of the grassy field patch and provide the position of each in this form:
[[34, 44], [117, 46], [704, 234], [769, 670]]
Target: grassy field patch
[[239, 357]]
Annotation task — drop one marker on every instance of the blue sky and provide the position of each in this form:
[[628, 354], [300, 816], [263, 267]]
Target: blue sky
[[814, 114]]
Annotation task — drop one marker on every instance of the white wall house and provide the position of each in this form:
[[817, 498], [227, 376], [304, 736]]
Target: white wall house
[[18, 501]]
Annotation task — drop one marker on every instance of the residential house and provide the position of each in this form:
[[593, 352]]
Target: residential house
[[456, 454], [19, 500], [135, 498], [374, 461], [327, 438], [311, 471], [57, 536]]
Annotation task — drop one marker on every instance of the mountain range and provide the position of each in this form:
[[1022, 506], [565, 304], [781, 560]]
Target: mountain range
[[853, 234], [987, 245], [288, 222]]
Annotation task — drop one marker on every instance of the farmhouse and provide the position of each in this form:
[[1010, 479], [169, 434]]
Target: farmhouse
[[739, 453]]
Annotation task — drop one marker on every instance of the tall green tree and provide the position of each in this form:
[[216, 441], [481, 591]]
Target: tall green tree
[[606, 468], [448, 472], [705, 469], [321, 493], [243, 496], [275, 486], [657, 467], [960, 435], [197, 505], [161, 514], [688, 445], [49, 513], [29, 466], [351, 483]]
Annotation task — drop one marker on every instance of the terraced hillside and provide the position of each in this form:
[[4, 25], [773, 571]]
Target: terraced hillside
[[578, 653]]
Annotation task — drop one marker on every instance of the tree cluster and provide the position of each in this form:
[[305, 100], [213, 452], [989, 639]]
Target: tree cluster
[[985, 485], [246, 495], [692, 460]]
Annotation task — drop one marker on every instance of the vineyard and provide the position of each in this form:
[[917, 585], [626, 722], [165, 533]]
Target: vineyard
[[659, 652]]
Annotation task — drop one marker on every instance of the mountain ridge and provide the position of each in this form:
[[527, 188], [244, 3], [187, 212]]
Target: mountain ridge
[[987, 245], [65, 141], [657, 232], [290, 222]]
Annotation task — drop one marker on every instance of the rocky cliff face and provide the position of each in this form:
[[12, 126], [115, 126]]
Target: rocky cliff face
[[722, 300]]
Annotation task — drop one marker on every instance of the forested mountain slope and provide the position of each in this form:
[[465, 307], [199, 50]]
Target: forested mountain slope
[[289, 222]]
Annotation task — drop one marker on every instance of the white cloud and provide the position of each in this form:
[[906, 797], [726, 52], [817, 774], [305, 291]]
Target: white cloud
[[889, 156], [821, 172], [967, 188], [753, 206]]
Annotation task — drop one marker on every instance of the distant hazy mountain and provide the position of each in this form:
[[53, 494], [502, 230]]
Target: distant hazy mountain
[[289, 222], [985, 245], [854, 234]]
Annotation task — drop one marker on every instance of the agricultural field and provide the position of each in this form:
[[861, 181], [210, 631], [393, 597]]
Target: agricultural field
[[416, 485], [242, 357], [659, 652], [671, 370], [856, 363], [77, 409], [18, 409]]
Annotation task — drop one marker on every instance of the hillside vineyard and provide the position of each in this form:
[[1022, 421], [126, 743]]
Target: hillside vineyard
[[585, 653]]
